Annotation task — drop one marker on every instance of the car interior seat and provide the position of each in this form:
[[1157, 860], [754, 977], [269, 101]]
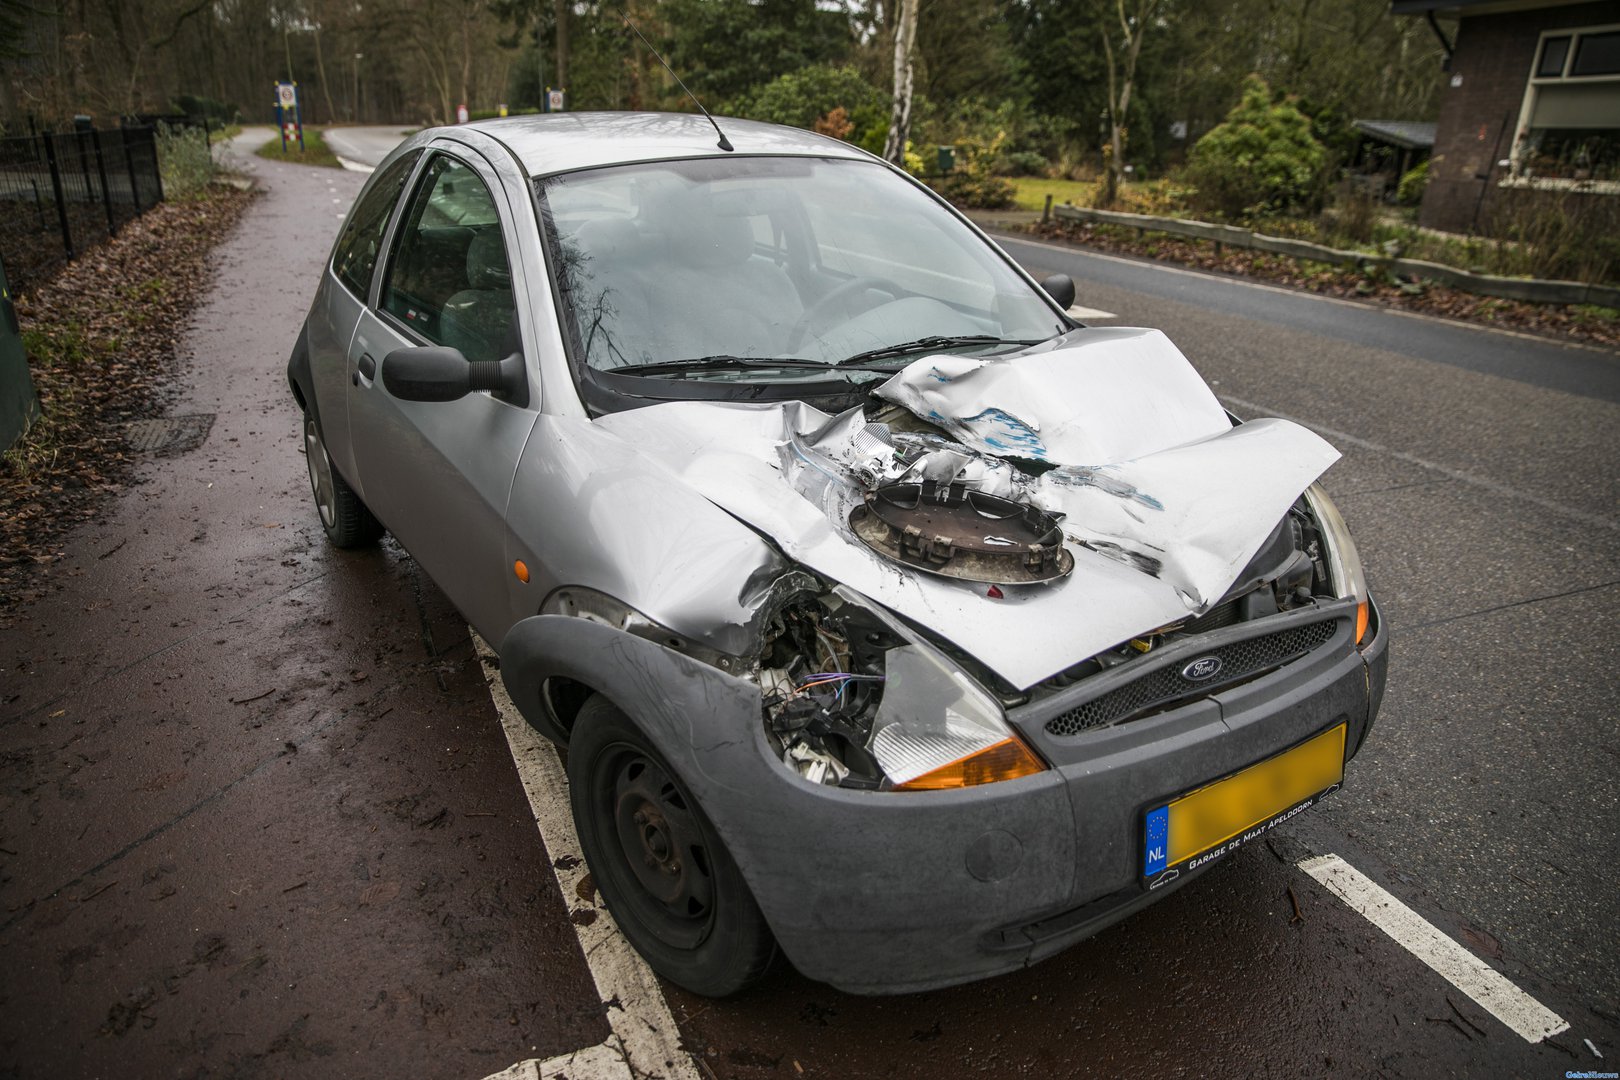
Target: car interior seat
[[478, 319]]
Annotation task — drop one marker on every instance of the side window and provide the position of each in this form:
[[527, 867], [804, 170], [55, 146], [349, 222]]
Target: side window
[[358, 248], [448, 277]]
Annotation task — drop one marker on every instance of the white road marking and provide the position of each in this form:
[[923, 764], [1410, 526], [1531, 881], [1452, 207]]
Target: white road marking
[[1493, 486], [1078, 312], [1358, 304], [354, 166], [645, 1042], [1490, 990]]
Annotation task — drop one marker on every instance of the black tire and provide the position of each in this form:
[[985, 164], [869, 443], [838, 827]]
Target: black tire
[[666, 877], [347, 522]]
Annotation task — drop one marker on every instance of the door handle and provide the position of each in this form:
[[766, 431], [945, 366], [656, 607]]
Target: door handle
[[367, 367]]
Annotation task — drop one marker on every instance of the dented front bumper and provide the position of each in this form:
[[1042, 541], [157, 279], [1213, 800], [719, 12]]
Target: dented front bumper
[[891, 892]]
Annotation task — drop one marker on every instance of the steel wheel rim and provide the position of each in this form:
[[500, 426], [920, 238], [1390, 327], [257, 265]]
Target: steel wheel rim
[[320, 473], [661, 851]]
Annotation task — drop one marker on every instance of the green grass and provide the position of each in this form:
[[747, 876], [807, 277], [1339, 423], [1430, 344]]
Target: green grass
[[1033, 190], [218, 135], [315, 151]]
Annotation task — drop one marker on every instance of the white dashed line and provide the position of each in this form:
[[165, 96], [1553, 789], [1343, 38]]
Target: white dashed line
[[645, 1042], [1078, 312], [1490, 989]]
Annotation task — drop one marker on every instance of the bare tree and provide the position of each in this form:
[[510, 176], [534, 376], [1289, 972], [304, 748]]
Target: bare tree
[[905, 43], [1121, 80]]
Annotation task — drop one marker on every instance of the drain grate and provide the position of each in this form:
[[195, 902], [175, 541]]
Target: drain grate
[[166, 435]]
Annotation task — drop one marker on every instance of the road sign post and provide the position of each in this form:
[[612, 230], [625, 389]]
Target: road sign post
[[289, 117]]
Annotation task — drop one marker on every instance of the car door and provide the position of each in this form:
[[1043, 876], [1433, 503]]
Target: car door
[[439, 474], [343, 296]]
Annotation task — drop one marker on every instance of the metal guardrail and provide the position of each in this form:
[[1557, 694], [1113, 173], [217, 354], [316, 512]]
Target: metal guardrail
[[1530, 289], [62, 193]]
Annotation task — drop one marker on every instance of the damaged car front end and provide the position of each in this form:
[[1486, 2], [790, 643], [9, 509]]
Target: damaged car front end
[[891, 618], [1019, 595], [908, 814]]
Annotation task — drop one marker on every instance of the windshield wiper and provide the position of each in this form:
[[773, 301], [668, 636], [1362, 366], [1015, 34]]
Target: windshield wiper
[[929, 344], [719, 362]]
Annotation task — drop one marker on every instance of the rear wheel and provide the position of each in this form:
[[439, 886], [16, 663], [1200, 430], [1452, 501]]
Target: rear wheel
[[347, 522], [666, 877]]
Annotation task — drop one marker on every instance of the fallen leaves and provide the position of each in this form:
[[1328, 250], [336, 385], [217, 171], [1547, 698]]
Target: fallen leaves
[[102, 338]]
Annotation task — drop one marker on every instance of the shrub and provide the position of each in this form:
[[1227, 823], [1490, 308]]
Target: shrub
[[982, 192], [1357, 215], [1024, 163], [1409, 192], [802, 97], [1557, 234], [1262, 159], [184, 160]]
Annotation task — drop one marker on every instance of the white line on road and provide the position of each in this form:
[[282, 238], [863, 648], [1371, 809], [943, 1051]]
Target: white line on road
[[1491, 990], [1445, 470], [354, 166], [1078, 312], [645, 1042]]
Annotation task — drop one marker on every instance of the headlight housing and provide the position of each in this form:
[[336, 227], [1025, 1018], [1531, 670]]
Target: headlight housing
[[859, 699], [1339, 552]]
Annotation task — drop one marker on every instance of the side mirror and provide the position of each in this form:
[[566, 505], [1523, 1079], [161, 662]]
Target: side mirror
[[1060, 287], [440, 373]]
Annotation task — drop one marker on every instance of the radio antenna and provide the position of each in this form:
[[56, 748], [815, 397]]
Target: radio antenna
[[725, 143]]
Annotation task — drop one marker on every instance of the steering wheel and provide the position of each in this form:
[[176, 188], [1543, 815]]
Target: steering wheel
[[839, 293]]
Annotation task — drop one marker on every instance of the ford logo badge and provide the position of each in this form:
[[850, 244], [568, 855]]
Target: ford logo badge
[[1205, 667]]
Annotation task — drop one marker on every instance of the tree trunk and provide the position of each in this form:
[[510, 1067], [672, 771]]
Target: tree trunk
[[1119, 93], [905, 42], [466, 63], [320, 73], [561, 7]]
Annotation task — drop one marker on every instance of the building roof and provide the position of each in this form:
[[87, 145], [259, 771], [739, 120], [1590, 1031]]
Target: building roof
[[563, 142], [1406, 134]]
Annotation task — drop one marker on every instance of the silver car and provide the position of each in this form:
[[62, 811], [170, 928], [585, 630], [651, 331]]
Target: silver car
[[891, 617]]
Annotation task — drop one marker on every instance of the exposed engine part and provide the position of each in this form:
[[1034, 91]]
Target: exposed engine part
[[955, 531], [816, 766], [821, 681]]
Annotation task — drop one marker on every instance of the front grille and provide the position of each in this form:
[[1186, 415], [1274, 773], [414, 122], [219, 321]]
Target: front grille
[[1166, 685]]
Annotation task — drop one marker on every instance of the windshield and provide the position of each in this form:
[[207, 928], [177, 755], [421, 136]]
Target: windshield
[[773, 269]]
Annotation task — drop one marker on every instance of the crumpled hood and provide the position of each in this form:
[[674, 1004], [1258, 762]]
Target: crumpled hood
[[1163, 501]]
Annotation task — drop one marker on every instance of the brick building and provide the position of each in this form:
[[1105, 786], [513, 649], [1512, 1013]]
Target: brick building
[[1531, 101]]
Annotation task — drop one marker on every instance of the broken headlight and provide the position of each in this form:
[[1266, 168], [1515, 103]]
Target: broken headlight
[[854, 697], [1343, 561]]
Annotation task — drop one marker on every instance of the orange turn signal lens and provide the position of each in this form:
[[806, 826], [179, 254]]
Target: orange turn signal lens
[[1363, 614], [1005, 760], [521, 570]]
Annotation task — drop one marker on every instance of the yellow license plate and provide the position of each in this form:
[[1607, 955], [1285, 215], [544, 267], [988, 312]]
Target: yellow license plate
[[1220, 817]]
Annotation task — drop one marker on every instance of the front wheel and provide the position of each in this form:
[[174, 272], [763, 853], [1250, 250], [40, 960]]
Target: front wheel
[[667, 879], [347, 522]]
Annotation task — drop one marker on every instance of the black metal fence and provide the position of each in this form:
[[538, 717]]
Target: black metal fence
[[61, 194]]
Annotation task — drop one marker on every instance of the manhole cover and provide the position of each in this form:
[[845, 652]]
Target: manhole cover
[[169, 434]]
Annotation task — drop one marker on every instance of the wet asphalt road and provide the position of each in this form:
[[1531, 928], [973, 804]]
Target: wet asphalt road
[[257, 817]]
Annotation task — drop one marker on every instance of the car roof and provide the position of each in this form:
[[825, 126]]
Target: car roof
[[564, 142]]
